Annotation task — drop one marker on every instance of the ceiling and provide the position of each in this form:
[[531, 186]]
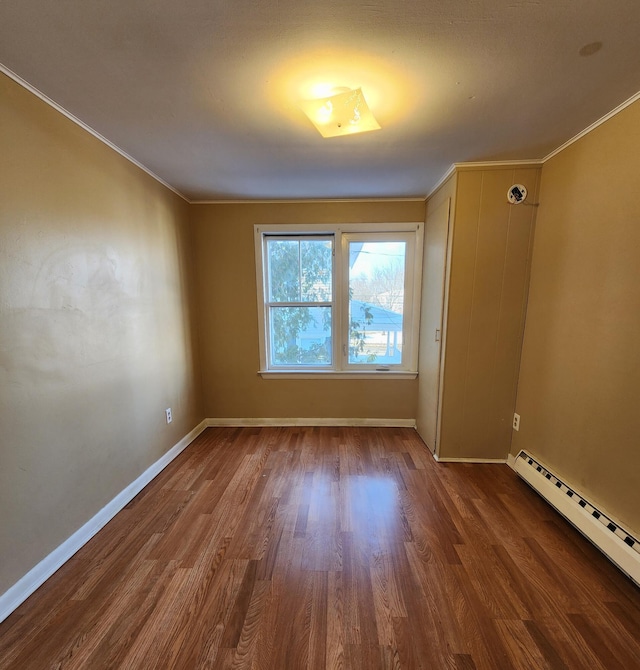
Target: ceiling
[[204, 93]]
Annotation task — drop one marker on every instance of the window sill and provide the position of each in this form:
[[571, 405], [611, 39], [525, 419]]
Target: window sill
[[337, 374]]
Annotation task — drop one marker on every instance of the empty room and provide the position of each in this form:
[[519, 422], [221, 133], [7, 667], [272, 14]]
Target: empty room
[[319, 331]]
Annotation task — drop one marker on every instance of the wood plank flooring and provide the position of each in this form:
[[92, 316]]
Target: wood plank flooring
[[286, 548]]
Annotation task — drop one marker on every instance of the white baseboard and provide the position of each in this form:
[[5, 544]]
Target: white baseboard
[[380, 423], [494, 461], [618, 544], [23, 588]]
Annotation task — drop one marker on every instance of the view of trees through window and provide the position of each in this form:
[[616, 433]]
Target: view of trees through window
[[300, 291], [300, 297]]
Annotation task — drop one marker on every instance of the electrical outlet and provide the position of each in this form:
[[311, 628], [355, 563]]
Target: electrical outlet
[[168, 414], [516, 421]]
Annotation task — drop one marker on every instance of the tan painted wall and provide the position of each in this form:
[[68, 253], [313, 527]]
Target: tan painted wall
[[580, 372], [486, 307], [228, 317], [95, 338]]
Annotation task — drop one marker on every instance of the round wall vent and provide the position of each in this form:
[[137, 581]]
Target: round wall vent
[[517, 194]]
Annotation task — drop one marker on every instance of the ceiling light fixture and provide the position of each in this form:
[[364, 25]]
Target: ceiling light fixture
[[344, 113]]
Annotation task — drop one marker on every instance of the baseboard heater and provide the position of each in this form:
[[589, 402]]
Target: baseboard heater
[[615, 542]]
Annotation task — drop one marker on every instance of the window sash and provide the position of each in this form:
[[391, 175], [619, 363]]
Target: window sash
[[409, 240], [271, 304], [341, 235], [300, 239], [308, 346]]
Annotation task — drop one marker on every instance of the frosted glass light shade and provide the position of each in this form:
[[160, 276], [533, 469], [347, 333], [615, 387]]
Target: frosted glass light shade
[[341, 114]]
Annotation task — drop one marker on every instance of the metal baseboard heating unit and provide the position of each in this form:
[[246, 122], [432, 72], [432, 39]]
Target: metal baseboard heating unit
[[617, 544]]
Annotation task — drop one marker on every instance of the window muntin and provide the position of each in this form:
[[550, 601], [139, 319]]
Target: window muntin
[[339, 299]]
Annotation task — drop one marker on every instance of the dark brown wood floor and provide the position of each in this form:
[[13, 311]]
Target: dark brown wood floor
[[292, 548]]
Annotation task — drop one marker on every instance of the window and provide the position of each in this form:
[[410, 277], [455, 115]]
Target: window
[[339, 299], [299, 300]]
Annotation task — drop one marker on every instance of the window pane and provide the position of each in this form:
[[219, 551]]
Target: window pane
[[284, 270], [316, 260], [300, 335], [300, 270], [376, 302]]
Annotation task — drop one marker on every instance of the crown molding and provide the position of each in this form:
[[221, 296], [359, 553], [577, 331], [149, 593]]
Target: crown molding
[[593, 126], [497, 165], [534, 162], [52, 103], [461, 166], [483, 165], [442, 180], [306, 201]]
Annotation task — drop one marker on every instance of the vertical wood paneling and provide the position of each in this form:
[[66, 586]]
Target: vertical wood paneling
[[513, 304], [492, 221], [489, 273], [433, 311], [460, 299]]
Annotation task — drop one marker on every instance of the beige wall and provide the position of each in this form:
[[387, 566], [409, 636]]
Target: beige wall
[[95, 338], [491, 245], [580, 372], [228, 318]]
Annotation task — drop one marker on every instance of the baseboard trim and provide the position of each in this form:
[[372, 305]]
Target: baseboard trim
[[374, 423], [494, 461], [24, 587], [617, 543]]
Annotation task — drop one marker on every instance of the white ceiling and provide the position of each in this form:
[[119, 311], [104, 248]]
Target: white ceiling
[[204, 92]]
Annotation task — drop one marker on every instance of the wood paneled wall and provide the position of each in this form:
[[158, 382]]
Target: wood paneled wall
[[490, 259]]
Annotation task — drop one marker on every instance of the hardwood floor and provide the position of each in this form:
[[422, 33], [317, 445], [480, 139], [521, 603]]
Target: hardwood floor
[[292, 548]]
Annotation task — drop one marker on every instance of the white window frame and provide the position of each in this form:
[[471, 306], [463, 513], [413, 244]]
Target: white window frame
[[411, 233]]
